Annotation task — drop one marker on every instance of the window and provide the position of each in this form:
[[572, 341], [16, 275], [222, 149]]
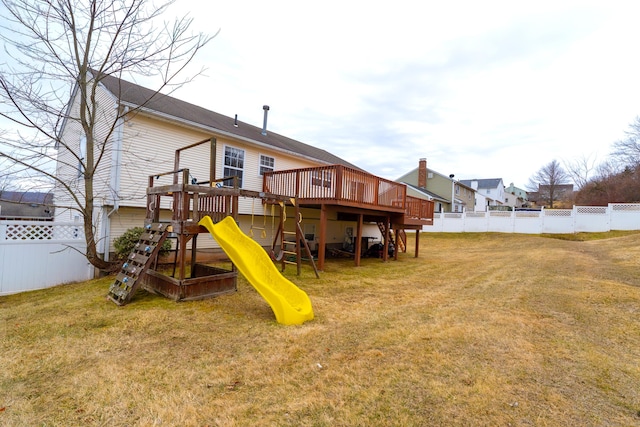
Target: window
[[233, 164], [82, 154], [321, 178], [266, 164]]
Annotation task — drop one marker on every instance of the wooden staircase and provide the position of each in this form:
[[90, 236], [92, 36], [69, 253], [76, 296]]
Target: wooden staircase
[[142, 256], [398, 240]]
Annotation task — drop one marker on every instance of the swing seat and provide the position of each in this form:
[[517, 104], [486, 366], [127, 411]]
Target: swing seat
[[276, 257]]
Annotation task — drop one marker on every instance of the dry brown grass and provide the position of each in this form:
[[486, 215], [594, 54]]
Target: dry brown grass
[[482, 329]]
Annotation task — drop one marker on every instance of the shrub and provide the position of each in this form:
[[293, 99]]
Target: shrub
[[125, 243]]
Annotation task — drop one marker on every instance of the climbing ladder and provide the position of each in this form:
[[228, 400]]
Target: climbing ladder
[[290, 243], [142, 256]]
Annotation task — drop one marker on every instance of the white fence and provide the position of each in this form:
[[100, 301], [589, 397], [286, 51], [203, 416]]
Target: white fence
[[41, 254], [615, 216]]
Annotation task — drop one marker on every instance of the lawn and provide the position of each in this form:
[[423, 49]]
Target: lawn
[[480, 330]]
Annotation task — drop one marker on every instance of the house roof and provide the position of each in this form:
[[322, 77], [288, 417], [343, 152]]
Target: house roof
[[152, 102], [15, 204], [26, 197], [415, 170], [429, 194], [484, 183]]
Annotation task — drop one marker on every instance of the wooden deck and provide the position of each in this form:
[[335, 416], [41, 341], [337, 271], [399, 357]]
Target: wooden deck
[[353, 191], [338, 191], [353, 195]]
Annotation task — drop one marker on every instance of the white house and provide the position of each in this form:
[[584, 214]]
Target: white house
[[489, 192], [143, 146]]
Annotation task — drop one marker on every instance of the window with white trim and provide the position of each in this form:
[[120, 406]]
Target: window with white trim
[[233, 164], [267, 164]]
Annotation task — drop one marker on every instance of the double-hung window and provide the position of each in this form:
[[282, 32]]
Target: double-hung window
[[233, 164], [267, 164]]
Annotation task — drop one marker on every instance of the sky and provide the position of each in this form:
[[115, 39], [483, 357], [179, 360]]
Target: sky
[[481, 89], [490, 89]]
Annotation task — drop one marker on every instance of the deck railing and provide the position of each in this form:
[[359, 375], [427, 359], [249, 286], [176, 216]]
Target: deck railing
[[344, 185], [337, 183], [420, 209]]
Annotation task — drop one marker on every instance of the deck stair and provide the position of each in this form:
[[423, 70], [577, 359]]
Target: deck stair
[[129, 278], [397, 240]]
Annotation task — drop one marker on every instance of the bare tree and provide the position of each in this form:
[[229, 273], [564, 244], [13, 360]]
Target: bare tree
[[550, 184], [627, 150], [59, 50], [581, 169]]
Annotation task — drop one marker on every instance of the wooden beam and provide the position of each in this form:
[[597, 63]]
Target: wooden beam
[[385, 250], [417, 242], [323, 237], [395, 249], [358, 245]]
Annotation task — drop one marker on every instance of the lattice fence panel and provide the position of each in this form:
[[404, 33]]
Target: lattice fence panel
[[592, 210], [626, 207], [558, 212], [40, 231], [527, 214], [29, 232], [502, 214]]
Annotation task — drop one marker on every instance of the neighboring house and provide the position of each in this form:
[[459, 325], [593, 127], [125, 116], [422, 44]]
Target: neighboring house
[[439, 202], [492, 189], [448, 194], [557, 196], [514, 201], [512, 189], [144, 146], [26, 205], [515, 197], [483, 202]]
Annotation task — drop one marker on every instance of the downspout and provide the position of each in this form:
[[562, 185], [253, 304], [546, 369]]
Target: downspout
[[114, 184]]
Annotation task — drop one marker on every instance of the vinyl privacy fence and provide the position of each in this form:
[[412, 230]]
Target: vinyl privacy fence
[[41, 254], [615, 216]]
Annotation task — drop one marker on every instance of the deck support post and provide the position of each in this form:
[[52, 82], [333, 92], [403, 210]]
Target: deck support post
[[323, 237], [358, 245], [387, 232], [417, 242]]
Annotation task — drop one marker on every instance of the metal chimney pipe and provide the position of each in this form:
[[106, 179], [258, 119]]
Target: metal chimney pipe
[[264, 124], [235, 121]]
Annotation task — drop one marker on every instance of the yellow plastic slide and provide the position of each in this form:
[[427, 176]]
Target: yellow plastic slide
[[290, 304]]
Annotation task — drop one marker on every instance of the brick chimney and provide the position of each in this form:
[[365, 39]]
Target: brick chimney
[[422, 173]]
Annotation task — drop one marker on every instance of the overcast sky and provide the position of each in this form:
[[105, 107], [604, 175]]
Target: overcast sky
[[482, 89]]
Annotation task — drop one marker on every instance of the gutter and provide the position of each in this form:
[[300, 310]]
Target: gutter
[[114, 183]]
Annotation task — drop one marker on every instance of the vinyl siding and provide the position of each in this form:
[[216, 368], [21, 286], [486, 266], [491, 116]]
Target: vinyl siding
[[67, 162]]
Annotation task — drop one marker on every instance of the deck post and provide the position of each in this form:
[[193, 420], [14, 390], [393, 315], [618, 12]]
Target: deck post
[[417, 242], [212, 161], [398, 231], [387, 227], [323, 237], [358, 246], [339, 170]]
